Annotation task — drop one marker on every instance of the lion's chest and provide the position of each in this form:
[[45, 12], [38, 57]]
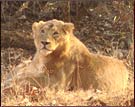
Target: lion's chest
[[59, 65], [54, 66]]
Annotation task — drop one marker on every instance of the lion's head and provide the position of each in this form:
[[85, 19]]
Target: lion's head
[[50, 35]]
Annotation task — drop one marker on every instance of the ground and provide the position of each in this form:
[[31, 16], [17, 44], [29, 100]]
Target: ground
[[104, 27]]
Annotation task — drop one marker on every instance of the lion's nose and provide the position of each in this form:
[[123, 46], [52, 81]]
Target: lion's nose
[[45, 43]]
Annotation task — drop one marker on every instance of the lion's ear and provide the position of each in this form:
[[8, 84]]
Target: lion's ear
[[68, 27], [41, 23], [36, 27]]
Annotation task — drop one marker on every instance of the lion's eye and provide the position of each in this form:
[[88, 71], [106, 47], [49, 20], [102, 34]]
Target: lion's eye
[[42, 31], [55, 33]]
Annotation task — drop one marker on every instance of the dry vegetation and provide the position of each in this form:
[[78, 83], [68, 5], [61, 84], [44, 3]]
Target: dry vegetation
[[105, 27]]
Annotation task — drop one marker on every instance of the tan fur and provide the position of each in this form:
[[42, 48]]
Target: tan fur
[[67, 63]]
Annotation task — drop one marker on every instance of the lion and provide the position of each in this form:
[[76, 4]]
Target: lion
[[63, 61]]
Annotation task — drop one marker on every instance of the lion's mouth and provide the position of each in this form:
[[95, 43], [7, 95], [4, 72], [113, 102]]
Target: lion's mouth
[[46, 48]]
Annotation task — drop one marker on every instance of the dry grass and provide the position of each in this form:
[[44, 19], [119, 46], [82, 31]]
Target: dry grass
[[26, 95]]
